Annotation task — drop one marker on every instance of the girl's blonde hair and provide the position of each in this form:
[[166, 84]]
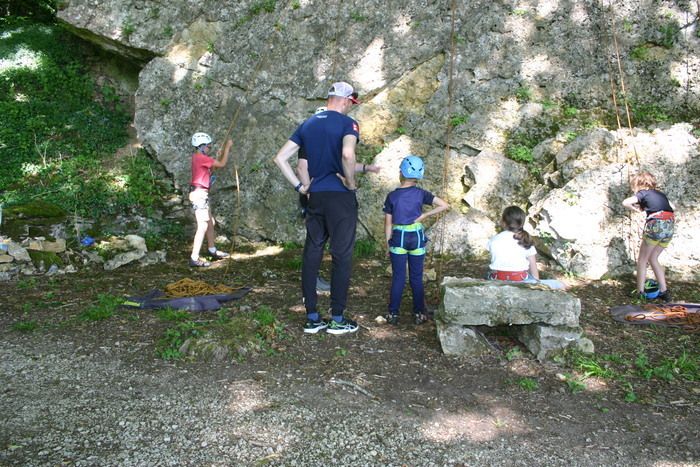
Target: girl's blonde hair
[[643, 181]]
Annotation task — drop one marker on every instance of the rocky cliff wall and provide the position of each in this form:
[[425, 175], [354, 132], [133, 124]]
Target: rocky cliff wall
[[531, 79]]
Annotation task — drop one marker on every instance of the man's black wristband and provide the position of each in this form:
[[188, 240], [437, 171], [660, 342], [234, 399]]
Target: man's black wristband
[[298, 187]]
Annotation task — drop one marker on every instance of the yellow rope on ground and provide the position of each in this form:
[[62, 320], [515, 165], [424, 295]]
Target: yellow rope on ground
[[192, 288]]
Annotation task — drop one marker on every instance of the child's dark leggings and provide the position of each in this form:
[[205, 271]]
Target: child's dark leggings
[[415, 278], [407, 246]]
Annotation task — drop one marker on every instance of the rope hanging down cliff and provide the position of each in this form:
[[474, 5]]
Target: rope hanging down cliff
[[234, 120], [448, 135]]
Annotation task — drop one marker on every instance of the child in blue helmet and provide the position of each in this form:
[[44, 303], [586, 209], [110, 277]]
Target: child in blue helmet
[[403, 214]]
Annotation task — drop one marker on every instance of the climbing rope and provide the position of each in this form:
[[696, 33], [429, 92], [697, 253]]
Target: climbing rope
[[673, 315], [192, 288], [234, 120], [448, 148]]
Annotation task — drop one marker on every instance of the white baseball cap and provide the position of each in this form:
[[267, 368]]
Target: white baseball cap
[[343, 89]]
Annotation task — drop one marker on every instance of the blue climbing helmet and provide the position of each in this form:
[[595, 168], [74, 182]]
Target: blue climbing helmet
[[412, 167], [651, 289]]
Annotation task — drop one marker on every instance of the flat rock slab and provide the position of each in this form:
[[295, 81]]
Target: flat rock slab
[[474, 302], [546, 320]]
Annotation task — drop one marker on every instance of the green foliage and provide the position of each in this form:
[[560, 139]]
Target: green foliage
[[630, 395], [519, 153], [668, 34], [25, 326], [366, 153], [575, 385], [513, 354], [168, 346], [523, 94], [57, 126], [293, 264], [640, 53], [458, 120], [296, 4], [38, 10], [128, 28], [169, 314], [357, 16], [591, 367], [365, 248], [528, 384], [287, 246], [103, 309], [651, 113], [263, 6]]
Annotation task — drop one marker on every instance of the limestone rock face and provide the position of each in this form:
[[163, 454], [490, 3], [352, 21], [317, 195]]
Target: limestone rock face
[[582, 224], [260, 68]]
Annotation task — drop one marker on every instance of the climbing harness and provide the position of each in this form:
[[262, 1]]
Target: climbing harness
[[403, 228]]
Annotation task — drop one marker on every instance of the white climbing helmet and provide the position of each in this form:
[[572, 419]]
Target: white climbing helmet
[[200, 138]]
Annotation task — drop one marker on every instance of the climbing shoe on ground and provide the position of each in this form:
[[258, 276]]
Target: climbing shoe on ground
[[392, 319], [198, 263], [312, 327], [419, 318], [344, 327], [665, 296], [216, 255], [322, 286]]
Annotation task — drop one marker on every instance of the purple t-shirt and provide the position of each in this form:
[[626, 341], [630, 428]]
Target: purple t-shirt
[[320, 138], [653, 201], [406, 204]]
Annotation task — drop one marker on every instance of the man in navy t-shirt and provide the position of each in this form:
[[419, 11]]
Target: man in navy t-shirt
[[328, 139]]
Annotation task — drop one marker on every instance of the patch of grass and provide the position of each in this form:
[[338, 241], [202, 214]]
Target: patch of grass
[[26, 284], [513, 354], [25, 326], [293, 264], [523, 94], [640, 53], [290, 246], [366, 153], [365, 248], [457, 120], [357, 16], [519, 153], [296, 4], [646, 114], [103, 309], [669, 33], [170, 314], [263, 6], [591, 367], [341, 352], [528, 384], [168, 347], [128, 28], [630, 396]]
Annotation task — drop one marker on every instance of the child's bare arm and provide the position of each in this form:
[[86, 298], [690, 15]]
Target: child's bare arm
[[441, 206], [387, 226], [223, 159], [632, 203], [533, 266]]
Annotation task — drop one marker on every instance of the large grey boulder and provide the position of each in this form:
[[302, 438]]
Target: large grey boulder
[[546, 321], [475, 302]]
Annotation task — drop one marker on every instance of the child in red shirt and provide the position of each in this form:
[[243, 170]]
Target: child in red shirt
[[202, 165]]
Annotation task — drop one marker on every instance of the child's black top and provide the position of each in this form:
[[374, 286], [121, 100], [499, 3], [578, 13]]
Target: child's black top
[[653, 201]]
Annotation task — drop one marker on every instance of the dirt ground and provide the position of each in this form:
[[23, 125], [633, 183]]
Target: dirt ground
[[487, 403]]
